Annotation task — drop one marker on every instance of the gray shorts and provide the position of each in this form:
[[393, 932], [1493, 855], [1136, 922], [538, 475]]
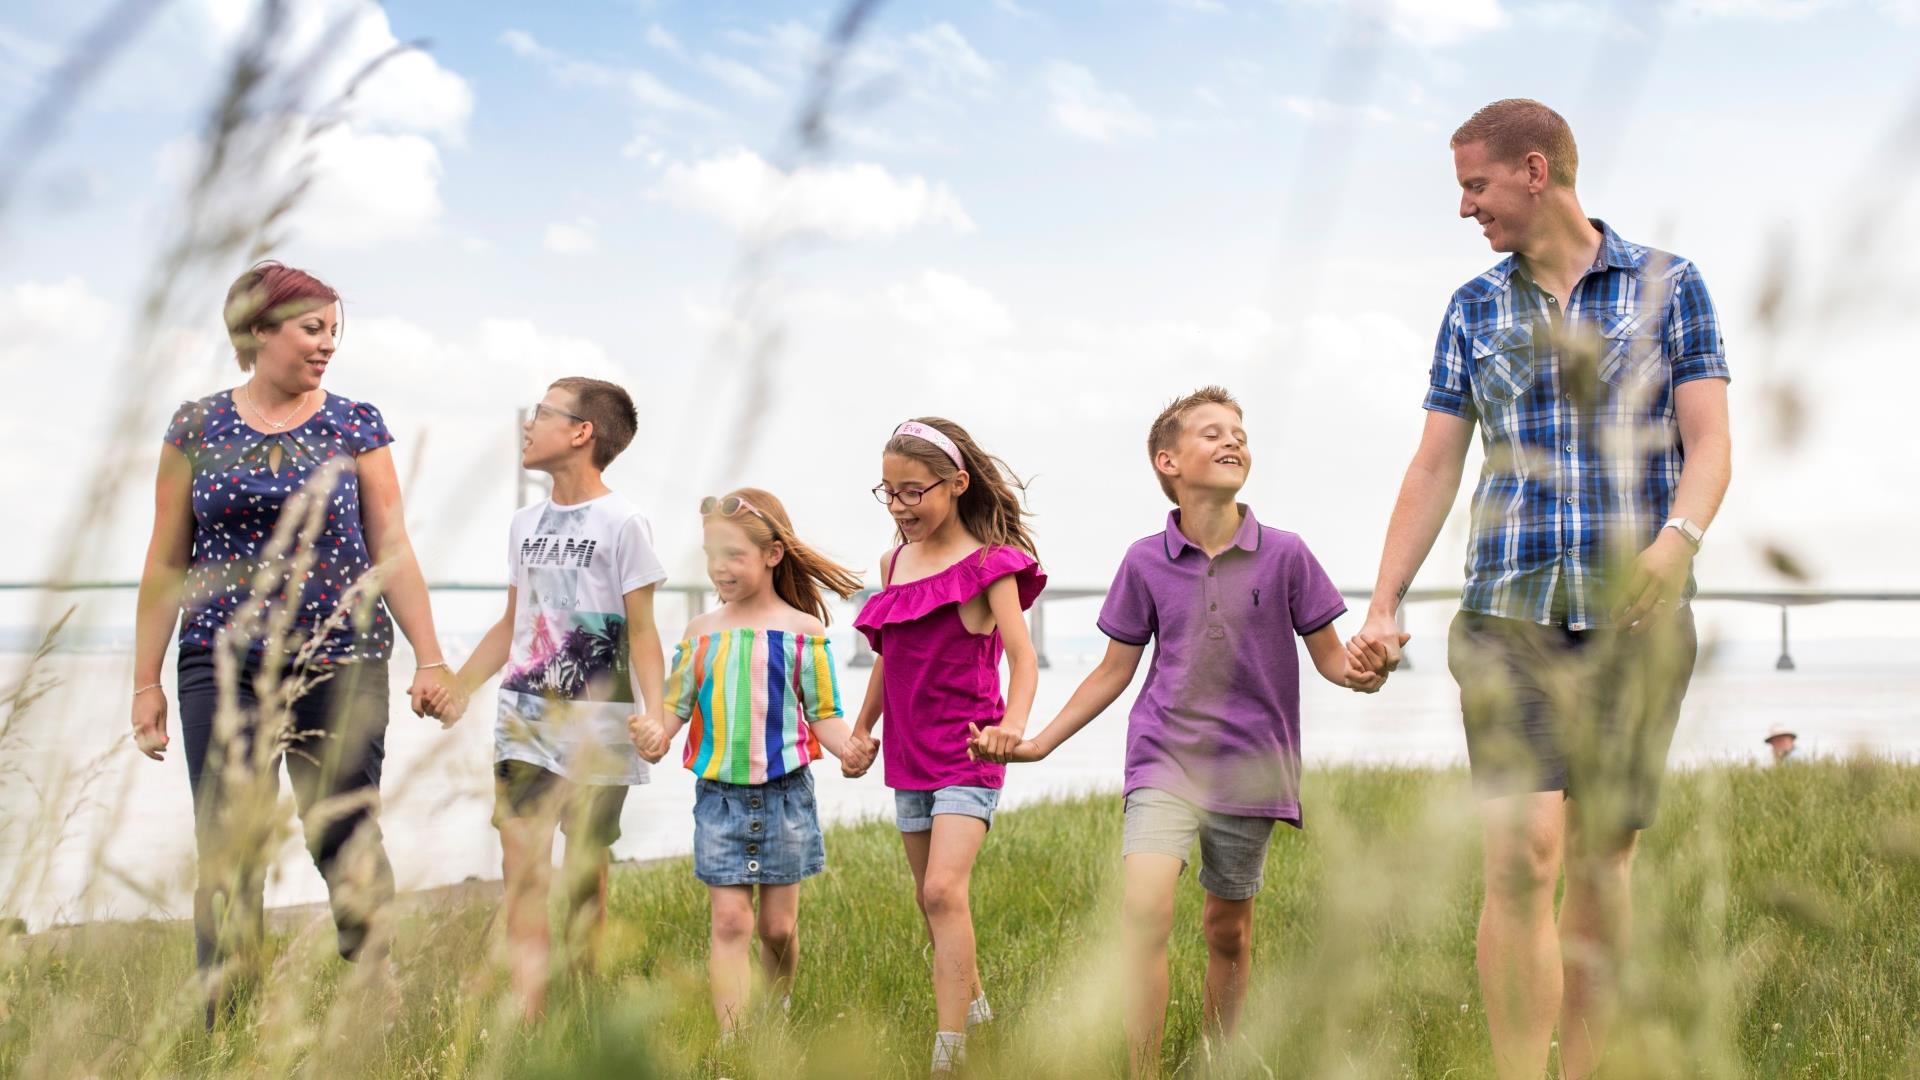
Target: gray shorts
[[1589, 713], [1233, 849], [915, 810]]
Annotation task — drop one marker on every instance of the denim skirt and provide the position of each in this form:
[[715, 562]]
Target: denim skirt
[[757, 834]]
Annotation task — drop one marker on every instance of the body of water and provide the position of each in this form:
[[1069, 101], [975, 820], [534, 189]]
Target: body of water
[[124, 823]]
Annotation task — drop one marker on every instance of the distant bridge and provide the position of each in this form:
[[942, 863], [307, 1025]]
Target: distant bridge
[[696, 602]]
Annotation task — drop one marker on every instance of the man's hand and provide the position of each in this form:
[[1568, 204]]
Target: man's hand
[[1000, 746], [1363, 678], [1377, 646], [150, 723], [1654, 582]]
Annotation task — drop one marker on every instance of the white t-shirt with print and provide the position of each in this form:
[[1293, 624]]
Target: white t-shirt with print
[[568, 686]]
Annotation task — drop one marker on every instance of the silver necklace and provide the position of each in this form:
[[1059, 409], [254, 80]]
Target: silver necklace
[[299, 403]]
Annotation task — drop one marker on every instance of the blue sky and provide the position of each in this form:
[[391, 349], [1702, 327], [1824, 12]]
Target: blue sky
[[1041, 220]]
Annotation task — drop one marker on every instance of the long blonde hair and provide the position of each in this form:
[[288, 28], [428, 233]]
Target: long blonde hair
[[991, 508], [802, 573]]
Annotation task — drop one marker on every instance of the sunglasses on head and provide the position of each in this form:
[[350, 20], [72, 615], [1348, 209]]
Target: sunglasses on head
[[730, 506]]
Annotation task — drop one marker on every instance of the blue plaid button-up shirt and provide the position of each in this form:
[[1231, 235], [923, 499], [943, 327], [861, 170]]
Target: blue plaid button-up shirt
[[1576, 416]]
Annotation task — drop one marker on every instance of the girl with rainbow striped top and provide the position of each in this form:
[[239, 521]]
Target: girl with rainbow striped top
[[754, 682]]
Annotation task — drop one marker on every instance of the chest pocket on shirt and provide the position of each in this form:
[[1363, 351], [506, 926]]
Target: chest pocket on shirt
[[1503, 365], [1634, 351]]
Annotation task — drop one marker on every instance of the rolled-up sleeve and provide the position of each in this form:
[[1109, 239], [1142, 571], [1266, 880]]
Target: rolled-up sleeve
[[1693, 331], [1449, 388]]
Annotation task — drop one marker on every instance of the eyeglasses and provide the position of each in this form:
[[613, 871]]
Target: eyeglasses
[[541, 408], [907, 496], [730, 507]]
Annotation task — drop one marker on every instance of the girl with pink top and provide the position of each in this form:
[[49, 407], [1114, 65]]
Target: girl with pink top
[[954, 590]]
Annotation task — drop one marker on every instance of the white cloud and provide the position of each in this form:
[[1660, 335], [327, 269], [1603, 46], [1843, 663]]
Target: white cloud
[[1429, 22], [741, 77], [333, 42], [363, 188], [661, 38], [1443, 22], [369, 189], [944, 53], [571, 237], [1082, 107], [1316, 110], [944, 302], [839, 202], [930, 63], [646, 90], [1771, 10]]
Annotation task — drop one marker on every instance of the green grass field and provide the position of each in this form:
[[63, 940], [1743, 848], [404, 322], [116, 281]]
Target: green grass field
[[1778, 935]]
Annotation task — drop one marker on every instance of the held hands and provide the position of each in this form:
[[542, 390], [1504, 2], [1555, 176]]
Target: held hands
[[857, 754], [1374, 653], [434, 694], [649, 735], [150, 723], [1000, 745], [1362, 678]]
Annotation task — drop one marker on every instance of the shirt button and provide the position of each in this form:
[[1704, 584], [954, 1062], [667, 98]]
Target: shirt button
[[755, 803], [1213, 607], [753, 866], [753, 849], [1569, 448], [754, 826], [1209, 571], [1571, 553], [1570, 500]]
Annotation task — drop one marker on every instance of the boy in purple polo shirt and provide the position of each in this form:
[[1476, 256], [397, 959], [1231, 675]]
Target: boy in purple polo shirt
[[1213, 743]]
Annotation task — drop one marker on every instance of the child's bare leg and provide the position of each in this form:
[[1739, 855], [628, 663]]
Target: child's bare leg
[[1229, 931], [1146, 923], [584, 870], [729, 968], [942, 878], [779, 930], [526, 860]]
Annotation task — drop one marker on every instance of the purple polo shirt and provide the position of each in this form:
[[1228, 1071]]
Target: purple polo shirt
[[1218, 721]]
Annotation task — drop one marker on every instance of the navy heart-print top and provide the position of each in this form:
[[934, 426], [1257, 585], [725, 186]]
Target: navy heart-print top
[[239, 490]]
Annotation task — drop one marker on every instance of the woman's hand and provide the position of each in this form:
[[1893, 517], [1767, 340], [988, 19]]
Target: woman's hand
[[150, 723], [433, 694]]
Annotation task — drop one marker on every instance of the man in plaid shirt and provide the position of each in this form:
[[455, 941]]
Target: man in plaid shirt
[[1595, 371]]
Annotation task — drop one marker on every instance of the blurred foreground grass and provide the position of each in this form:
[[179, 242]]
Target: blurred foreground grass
[[1778, 934]]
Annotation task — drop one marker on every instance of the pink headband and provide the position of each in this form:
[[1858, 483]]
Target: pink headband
[[934, 436]]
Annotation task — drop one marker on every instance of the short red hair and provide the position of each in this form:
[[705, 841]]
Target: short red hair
[[267, 295]]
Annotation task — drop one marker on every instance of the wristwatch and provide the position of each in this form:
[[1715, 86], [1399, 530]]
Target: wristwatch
[[1693, 533]]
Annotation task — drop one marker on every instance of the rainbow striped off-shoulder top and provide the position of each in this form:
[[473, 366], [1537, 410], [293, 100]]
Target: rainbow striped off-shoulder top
[[749, 697]]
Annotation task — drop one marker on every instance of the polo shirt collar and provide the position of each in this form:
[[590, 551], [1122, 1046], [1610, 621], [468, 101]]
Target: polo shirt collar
[[1246, 537]]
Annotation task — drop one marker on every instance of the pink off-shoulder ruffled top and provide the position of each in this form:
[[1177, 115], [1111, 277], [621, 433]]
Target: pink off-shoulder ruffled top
[[937, 676]]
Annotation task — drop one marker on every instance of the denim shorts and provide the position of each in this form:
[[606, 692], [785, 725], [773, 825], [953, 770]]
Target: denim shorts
[[757, 834], [916, 810], [1233, 849]]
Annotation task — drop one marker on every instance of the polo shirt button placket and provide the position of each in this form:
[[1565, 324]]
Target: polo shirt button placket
[[1215, 630]]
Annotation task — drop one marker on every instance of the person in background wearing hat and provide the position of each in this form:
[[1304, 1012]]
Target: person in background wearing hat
[[1780, 740]]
